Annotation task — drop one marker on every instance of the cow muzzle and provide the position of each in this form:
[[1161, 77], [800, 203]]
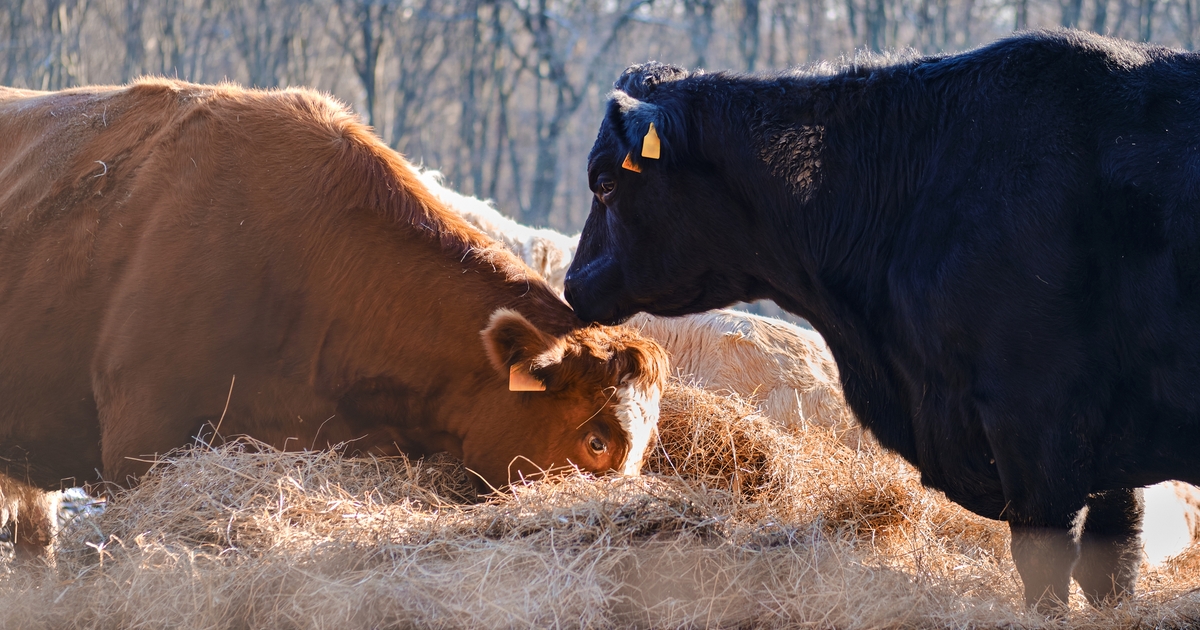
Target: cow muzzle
[[595, 291]]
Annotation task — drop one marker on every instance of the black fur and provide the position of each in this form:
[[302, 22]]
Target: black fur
[[1000, 247]]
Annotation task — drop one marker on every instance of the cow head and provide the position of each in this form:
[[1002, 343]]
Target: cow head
[[587, 399], [662, 235]]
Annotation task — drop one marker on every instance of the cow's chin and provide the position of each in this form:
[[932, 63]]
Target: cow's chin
[[676, 305], [615, 308], [600, 293], [609, 314]]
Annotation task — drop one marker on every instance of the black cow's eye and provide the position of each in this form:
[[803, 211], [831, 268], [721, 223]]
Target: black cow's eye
[[605, 187], [597, 445]]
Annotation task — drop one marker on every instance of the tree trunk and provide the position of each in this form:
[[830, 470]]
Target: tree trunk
[[361, 38], [135, 46], [1072, 11], [545, 176], [700, 27], [1101, 16], [816, 16], [748, 37], [1145, 23], [16, 27], [876, 23]]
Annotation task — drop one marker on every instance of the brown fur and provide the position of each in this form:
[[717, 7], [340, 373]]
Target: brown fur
[[175, 257]]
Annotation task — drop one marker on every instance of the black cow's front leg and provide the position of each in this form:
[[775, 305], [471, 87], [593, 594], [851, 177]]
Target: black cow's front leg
[[1044, 557], [1111, 549]]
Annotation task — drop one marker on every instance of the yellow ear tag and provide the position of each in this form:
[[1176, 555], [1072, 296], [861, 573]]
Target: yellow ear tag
[[519, 380], [629, 165], [651, 147]]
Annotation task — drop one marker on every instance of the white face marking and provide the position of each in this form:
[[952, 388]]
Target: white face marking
[[638, 412]]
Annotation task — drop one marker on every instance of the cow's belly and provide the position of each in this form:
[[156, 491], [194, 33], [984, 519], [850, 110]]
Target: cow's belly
[[976, 488], [48, 422], [955, 455], [49, 437]]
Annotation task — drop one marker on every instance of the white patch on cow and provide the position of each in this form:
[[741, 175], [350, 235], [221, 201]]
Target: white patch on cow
[[1169, 526], [637, 409]]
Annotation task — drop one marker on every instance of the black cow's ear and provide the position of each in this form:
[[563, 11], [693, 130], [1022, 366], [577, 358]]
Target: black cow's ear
[[640, 124]]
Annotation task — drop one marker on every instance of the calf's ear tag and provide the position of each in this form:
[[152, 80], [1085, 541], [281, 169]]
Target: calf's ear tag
[[651, 147], [629, 165], [520, 380]]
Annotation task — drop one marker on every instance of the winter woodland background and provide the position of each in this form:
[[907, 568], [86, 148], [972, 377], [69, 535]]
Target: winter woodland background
[[504, 96]]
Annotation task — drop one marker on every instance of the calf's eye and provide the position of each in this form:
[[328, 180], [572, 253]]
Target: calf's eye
[[597, 445]]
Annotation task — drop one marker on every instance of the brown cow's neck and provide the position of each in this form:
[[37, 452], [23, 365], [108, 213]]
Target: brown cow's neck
[[417, 358]]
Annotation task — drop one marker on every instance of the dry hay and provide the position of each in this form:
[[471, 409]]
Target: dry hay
[[739, 523]]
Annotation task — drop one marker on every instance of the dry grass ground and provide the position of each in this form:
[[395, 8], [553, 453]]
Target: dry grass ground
[[739, 524]]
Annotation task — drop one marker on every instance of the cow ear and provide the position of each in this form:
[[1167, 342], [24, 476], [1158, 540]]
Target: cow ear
[[639, 121], [644, 363], [644, 129], [512, 343]]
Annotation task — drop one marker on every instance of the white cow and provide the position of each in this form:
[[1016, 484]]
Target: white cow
[[1172, 522], [548, 252], [786, 369]]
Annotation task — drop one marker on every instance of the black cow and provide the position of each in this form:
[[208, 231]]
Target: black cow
[[1001, 247]]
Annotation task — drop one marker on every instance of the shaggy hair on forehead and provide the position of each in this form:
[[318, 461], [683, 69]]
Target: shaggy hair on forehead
[[623, 353]]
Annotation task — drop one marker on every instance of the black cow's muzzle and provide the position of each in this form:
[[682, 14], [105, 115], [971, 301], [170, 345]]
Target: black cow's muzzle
[[595, 290]]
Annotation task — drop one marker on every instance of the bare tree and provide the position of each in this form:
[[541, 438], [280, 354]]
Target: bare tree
[[363, 27], [15, 47], [1146, 19], [419, 50], [875, 22], [555, 40], [748, 33], [504, 95], [60, 64], [473, 120], [135, 42], [1191, 17], [699, 18], [1100, 17], [263, 31], [1072, 12]]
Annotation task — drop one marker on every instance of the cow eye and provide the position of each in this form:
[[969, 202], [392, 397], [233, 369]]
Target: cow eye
[[605, 187], [596, 443]]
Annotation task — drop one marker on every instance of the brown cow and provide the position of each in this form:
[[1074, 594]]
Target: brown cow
[[176, 256]]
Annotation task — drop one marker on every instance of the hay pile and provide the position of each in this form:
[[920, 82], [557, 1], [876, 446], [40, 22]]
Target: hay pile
[[739, 523]]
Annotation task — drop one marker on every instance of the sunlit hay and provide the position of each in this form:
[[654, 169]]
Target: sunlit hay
[[223, 536], [741, 524], [247, 498], [865, 497]]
